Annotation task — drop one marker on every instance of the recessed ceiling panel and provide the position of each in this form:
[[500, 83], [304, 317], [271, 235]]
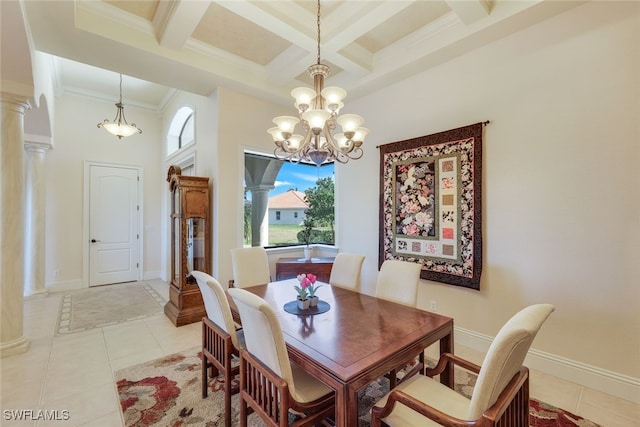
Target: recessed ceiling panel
[[410, 19], [232, 33], [326, 6], [144, 9]]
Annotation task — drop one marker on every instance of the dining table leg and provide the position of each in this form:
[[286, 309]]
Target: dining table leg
[[446, 346], [346, 406]]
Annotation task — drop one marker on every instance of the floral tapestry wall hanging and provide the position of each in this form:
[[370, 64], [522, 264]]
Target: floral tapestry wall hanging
[[431, 204]]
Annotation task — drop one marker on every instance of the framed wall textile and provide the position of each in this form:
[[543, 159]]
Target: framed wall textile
[[431, 204]]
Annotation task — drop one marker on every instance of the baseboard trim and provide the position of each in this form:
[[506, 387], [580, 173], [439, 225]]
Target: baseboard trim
[[65, 285], [151, 275], [613, 383]]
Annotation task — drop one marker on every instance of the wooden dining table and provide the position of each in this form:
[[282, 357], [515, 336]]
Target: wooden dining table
[[359, 339]]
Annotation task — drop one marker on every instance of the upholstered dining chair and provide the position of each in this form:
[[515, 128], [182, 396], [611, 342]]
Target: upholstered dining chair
[[269, 384], [250, 266], [500, 396], [345, 272], [398, 281], [220, 339]]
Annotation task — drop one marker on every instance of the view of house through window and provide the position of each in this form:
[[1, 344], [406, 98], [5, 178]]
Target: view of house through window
[[281, 199]]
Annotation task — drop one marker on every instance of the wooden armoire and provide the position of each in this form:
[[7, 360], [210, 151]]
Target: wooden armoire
[[190, 243]]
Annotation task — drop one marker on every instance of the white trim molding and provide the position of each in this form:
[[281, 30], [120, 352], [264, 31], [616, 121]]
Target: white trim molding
[[65, 285], [613, 383], [151, 275]]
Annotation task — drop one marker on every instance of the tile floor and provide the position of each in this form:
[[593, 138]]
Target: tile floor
[[75, 372]]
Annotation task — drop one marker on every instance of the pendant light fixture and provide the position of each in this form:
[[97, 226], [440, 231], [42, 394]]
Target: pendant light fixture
[[318, 110], [119, 126]]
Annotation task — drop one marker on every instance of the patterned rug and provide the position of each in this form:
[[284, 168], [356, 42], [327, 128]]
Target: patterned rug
[[107, 305], [166, 392]]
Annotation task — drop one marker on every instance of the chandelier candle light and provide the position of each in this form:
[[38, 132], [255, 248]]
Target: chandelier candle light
[[119, 126], [318, 110]]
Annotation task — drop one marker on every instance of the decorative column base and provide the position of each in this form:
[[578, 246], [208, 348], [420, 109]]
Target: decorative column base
[[37, 293], [17, 346]]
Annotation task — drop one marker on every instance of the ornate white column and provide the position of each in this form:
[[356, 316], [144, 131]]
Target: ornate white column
[[12, 340], [260, 214], [34, 260]]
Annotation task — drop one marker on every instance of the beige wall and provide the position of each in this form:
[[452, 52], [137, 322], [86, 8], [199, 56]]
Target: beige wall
[[243, 122], [76, 140], [561, 206]]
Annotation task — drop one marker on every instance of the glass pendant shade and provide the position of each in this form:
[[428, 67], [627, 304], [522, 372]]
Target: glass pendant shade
[[341, 140], [294, 141], [286, 124], [120, 129], [303, 96], [316, 118], [275, 134], [333, 94], [350, 122], [361, 133]]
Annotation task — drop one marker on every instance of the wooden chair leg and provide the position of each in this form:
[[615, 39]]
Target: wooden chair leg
[[227, 396], [205, 377], [243, 413]]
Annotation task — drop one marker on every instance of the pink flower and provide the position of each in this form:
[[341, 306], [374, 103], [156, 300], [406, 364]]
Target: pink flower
[[411, 230], [306, 288]]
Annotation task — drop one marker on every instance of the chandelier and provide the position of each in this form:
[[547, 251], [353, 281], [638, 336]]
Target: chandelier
[[119, 126], [318, 110]]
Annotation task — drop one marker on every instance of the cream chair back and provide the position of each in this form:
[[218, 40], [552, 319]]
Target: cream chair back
[[263, 334], [398, 282], [345, 272], [250, 266], [506, 356], [216, 304]]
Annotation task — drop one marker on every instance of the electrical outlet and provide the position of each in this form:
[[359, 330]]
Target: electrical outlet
[[433, 306]]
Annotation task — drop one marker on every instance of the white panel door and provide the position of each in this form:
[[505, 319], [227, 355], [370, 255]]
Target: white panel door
[[113, 225]]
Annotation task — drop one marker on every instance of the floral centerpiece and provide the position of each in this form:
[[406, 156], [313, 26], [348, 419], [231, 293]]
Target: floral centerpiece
[[307, 290]]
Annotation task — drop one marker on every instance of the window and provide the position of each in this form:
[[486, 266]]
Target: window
[[289, 185], [181, 130]]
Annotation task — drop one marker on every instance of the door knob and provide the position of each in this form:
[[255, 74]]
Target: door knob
[[94, 240]]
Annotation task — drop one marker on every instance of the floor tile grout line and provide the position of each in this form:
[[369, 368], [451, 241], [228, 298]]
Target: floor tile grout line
[[43, 384]]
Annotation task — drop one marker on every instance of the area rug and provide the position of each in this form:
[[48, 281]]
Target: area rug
[[107, 305], [167, 392]]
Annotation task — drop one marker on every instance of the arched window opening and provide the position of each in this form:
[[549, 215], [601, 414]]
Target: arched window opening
[[181, 130]]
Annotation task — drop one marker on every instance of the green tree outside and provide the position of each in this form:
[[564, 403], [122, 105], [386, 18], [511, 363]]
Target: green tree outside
[[321, 209]]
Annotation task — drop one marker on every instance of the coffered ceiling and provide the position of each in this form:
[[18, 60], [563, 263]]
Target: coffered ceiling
[[264, 47]]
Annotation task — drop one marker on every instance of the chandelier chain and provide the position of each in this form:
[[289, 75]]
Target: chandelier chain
[[318, 110], [318, 17], [121, 88]]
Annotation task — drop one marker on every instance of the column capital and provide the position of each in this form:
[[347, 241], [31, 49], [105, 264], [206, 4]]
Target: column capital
[[37, 143], [18, 102], [261, 188]]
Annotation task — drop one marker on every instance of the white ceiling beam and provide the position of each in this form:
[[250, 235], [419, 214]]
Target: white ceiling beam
[[470, 11], [176, 20], [349, 22], [261, 14]]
